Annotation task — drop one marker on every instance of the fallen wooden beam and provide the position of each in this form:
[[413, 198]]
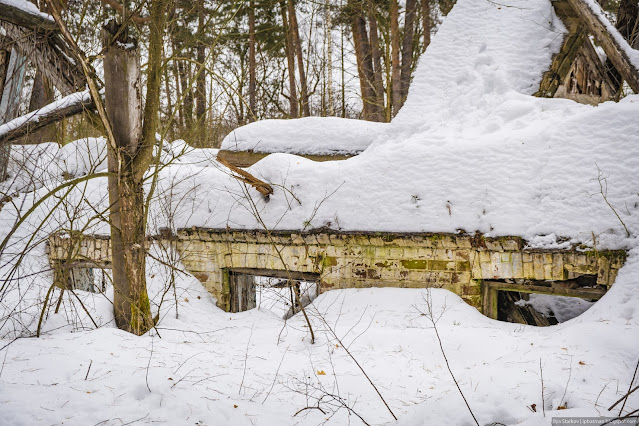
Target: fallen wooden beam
[[24, 17], [261, 187], [623, 57], [66, 107]]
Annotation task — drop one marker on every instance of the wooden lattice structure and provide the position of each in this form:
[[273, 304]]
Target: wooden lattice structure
[[578, 71]]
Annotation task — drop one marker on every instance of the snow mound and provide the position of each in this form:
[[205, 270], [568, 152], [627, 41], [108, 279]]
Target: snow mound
[[305, 136]]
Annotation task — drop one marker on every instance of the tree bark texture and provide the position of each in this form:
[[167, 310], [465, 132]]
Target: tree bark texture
[[294, 28], [371, 110], [252, 71], [123, 99], [13, 77], [290, 58], [378, 85], [396, 77], [407, 48], [426, 22], [200, 135]]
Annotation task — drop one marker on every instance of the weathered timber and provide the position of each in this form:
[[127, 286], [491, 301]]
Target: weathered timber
[[51, 56], [610, 40], [45, 119], [24, 18], [10, 100], [576, 71], [248, 158], [261, 186]]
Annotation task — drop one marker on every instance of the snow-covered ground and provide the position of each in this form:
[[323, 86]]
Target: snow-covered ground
[[470, 150]]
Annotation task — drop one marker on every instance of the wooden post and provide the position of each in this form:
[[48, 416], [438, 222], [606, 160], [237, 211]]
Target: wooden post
[[13, 77]]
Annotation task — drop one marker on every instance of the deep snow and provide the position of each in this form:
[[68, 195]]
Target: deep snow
[[471, 150]]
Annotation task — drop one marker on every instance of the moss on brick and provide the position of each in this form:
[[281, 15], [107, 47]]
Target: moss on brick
[[415, 264]]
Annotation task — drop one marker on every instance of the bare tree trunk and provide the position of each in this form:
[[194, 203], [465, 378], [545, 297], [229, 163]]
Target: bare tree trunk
[[343, 69], [426, 22], [378, 85], [123, 99], [395, 64], [200, 91], [300, 59], [290, 57], [329, 58], [371, 109], [128, 161], [184, 71], [407, 48], [13, 77], [252, 77]]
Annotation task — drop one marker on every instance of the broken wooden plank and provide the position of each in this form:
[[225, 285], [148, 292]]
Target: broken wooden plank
[[261, 187], [26, 18], [616, 47], [52, 113]]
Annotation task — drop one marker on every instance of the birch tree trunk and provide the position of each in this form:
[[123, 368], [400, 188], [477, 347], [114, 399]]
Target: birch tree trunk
[[329, 58]]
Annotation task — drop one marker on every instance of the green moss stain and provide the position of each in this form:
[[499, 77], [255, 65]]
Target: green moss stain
[[415, 264], [463, 266], [329, 261]]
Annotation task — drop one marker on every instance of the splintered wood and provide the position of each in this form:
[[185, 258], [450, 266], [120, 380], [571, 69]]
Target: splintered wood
[[261, 187]]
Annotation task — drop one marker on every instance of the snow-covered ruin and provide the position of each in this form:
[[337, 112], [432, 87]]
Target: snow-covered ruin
[[476, 187]]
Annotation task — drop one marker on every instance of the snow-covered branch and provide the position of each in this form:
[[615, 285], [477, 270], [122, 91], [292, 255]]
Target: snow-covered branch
[[25, 14], [49, 114]]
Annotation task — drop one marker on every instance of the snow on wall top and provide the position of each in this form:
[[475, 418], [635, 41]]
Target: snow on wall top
[[27, 7], [476, 153], [309, 135]]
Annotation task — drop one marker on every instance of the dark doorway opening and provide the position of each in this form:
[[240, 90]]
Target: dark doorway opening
[[274, 290]]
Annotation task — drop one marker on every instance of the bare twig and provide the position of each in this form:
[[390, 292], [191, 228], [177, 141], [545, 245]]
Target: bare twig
[[603, 189], [543, 400], [623, 397], [274, 378], [629, 387], [88, 369], [148, 365], [246, 359], [429, 314], [330, 329]]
